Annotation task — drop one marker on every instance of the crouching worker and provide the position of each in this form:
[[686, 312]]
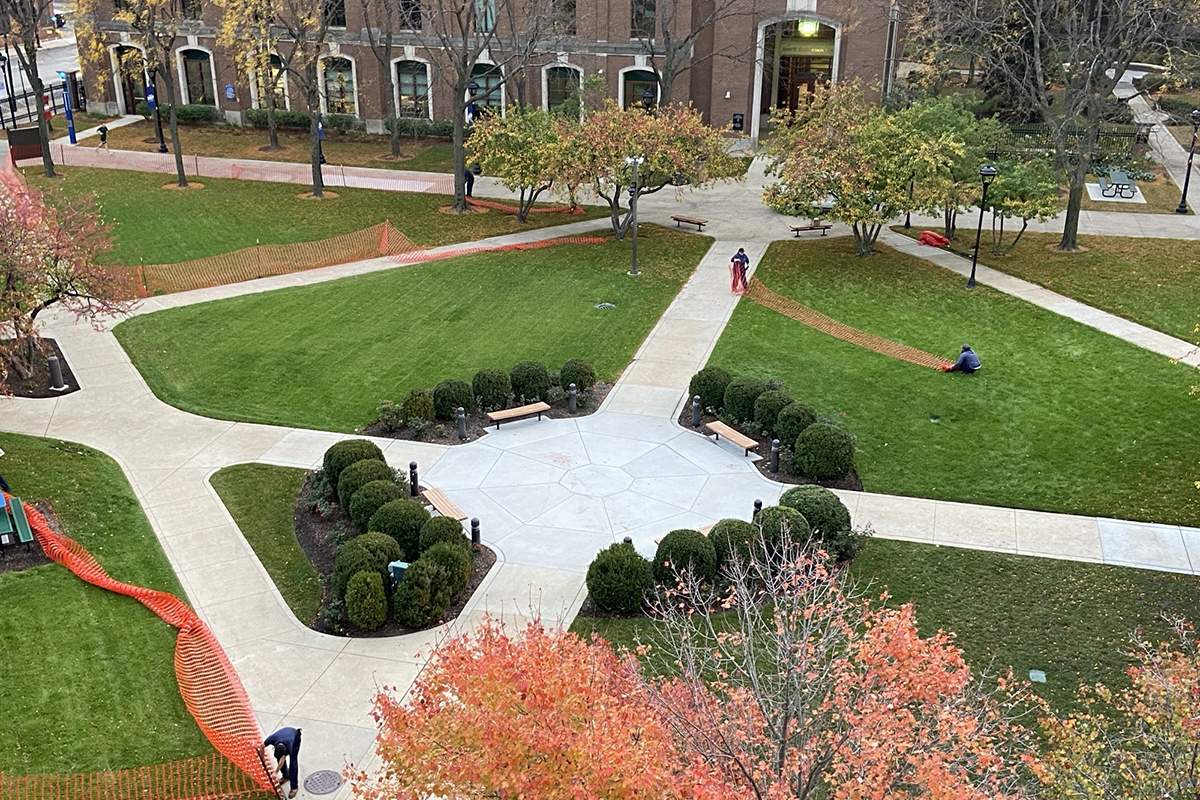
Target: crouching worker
[[967, 362], [285, 746]]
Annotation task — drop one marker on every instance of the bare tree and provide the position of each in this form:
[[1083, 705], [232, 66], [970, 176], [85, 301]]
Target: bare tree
[[305, 26], [247, 32], [381, 41], [20, 18]]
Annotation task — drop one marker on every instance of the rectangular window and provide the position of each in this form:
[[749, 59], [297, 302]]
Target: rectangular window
[[412, 85], [197, 73], [563, 17], [641, 25], [562, 84], [339, 86], [335, 13], [485, 16], [192, 9], [410, 15], [488, 96]]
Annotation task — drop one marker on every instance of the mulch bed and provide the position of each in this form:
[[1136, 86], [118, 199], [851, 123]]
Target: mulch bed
[[38, 384], [478, 425], [850, 482], [317, 536], [17, 558]]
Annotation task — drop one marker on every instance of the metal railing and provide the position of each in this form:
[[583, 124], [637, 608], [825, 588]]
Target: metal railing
[[22, 108]]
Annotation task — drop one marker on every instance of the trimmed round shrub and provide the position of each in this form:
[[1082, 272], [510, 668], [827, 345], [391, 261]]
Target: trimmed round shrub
[[401, 520], [767, 408], [731, 536], [772, 520], [684, 550], [417, 403], [710, 383], [619, 578], [740, 396], [492, 389], [369, 499], [455, 560], [792, 421], [823, 451], [442, 529], [371, 551], [578, 372], [358, 475], [348, 452], [530, 381], [449, 395], [829, 518], [366, 602], [422, 596]]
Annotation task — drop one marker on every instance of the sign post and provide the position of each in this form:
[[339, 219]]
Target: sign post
[[67, 108]]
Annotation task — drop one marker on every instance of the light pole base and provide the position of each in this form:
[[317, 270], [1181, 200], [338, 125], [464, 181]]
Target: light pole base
[[1181, 208], [633, 272]]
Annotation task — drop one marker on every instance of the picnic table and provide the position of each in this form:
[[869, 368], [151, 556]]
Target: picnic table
[[1118, 184]]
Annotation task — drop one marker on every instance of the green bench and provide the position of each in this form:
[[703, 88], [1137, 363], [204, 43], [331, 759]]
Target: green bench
[[13, 520]]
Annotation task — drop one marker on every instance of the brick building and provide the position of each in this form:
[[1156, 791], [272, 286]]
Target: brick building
[[761, 56]]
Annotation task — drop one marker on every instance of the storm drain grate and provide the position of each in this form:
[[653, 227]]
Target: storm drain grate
[[324, 781], [606, 305]]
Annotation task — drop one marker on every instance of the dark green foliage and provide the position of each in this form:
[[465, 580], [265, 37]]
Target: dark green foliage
[[767, 408], [358, 475], [455, 560], [370, 498], [731, 536], [619, 578], [442, 529], [829, 518], [345, 453], [530, 381], [417, 403], [792, 421], [823, 451], [578, 372], [184, 112], [684, 550], [772, 521], [339, 122], [710, 383], [422, 596], [401, 520], [449, 395], [366, 602], [492, 389], [412, 126], [257, 117], [371, 551], [740, 396]]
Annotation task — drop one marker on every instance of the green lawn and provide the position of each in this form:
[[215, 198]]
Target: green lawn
[[261, 497], [1068, 619], [1061, 418], [153, 225], [89, 677], [324, 356], [1154, 282]]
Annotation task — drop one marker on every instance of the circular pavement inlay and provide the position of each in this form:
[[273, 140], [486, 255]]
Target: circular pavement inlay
[[324, 781]]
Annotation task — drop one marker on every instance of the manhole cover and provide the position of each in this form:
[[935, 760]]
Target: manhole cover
[[606, 305], [324, 781]]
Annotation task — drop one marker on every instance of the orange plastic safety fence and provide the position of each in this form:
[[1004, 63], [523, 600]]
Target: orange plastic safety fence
[[201, 778], [210, 687], [507, 209], [790, 308], [263, 261], [425, 255]]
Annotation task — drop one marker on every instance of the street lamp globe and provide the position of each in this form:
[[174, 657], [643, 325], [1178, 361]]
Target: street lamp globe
[[988, 173], [648, 98]]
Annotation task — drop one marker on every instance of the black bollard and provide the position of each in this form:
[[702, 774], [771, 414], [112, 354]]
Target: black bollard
[[56, 380], [757, 508], [475, 531], [696, 411], [414, 487], [571, 395], [774, 455], [462, 423], [628, 540]]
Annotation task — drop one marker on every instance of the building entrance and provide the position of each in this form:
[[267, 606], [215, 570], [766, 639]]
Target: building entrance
[[797, 58]]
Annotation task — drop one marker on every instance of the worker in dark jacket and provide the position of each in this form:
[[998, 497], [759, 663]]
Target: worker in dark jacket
[[285, 746], [967, 362]]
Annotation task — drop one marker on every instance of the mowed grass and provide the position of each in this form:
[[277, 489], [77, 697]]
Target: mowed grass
[[261, 499], [1069, 619], [152, 225], [1154, 282], [89, 679], [323, 356], [1061, 417]]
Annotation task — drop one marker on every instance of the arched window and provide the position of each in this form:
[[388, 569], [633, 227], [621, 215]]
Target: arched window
[[339, 86], [562, 83], [131, 68], [488, 94], [412, 88], [271, 77], [198, 78], [640, 89]]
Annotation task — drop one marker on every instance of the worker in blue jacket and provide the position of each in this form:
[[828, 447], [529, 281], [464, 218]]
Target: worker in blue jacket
[[967, 362], [285, 746]]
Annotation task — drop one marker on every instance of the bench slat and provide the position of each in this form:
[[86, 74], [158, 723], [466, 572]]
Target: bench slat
[[443, 504], [740, 439], [5, 523], [24, 534]]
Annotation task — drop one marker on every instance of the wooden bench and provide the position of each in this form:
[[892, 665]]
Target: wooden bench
[[509, 414], [815, 225], [24, 534], [740, 439], [443, 505], [699, 223]]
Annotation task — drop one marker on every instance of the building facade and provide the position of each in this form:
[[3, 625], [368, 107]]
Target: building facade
[[752, 58]]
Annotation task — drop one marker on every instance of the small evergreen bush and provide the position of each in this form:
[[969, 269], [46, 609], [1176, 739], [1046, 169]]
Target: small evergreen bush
[[530, 381], [740, 396], [370, 498], [772, 521], [823, 451], [257, 117], [710, 383], [792, 421], [358, 475], [684, 550], [731, 536], [829, 518], [371, 551], [492, 389], [449, 395], [455, 560], [578, 372], [345, 453], [423, 595], [366, 602], [417, 403], [442, 529], [619, 578], [401, 520], [767, 408]]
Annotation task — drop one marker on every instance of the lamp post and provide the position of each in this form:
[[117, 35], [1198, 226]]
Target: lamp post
[[908, 214], [633, 162], [648, 99], [472, 89], [152, 104], [6, 65], [320, 138], [1187, 177], [67, 108], [987, 173]]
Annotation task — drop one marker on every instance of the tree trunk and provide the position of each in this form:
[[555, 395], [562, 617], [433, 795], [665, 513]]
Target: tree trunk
[[1070, 235], [314, 131], [1024, 225], [272, 124], [389, 86], [173, 125], [460, 155]]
